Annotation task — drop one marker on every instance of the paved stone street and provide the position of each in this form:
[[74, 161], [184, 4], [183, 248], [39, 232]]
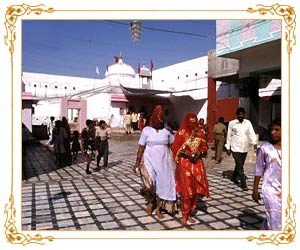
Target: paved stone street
[[65, 198]]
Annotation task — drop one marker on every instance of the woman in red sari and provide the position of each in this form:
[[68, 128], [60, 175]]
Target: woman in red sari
[[188, 149]]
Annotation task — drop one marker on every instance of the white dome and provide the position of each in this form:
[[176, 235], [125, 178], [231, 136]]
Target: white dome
[[120, 69]]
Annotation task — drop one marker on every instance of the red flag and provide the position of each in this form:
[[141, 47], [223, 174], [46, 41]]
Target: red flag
[[151, 65], [116, 59], [139, 69]]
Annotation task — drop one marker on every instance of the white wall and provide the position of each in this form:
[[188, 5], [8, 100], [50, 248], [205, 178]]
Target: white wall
[[51, 81], [186, 101], [45, 109], [99, 105], [27, 118], [167, 78], [184, 104]]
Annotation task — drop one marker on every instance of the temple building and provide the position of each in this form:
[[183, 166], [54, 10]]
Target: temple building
[[121, 90]]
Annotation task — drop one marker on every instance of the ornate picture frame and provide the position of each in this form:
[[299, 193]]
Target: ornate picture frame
[[14, 14]]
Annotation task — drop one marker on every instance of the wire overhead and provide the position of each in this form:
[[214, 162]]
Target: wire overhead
[[168, 31]]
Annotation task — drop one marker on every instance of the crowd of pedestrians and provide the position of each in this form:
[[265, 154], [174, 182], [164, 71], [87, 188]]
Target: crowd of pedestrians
[[95, 138], [171, 165], [170, 162], [134, 122], [92, 141]]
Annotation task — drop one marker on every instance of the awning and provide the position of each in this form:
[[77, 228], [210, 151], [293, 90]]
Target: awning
[[145, 95], [273, 88], [134, 91]]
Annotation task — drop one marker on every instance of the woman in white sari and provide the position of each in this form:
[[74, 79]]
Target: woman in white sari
[[157, 169]]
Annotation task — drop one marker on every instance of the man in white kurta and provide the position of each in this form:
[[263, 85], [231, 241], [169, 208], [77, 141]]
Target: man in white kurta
[[240, 135]]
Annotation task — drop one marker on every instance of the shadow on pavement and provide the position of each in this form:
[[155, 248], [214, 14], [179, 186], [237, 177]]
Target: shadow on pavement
[[227, 174], [249, 220], [40, 159], [60, 195]]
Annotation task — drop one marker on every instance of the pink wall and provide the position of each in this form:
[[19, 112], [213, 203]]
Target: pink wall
[[79, 104], [247, 32], [27, 114], [222, 36]]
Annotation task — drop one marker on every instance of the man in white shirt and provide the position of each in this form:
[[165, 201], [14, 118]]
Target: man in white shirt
[[102, 135], [240, 135], [134, 121], [127, 122]]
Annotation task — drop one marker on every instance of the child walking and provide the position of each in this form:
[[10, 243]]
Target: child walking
[[75, 146], [88, 142]]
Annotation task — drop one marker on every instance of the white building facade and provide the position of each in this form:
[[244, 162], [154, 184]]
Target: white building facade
[[104, 98]]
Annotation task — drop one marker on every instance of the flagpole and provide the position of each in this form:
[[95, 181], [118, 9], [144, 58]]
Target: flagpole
[[108, 74], [151, 69], [97, 73], [139, 74], [94, 84]]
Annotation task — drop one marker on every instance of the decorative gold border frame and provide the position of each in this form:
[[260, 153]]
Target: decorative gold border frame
[[15, 11]]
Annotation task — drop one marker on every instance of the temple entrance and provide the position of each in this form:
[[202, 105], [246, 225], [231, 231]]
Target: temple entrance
[[73, 115], [75, 111]]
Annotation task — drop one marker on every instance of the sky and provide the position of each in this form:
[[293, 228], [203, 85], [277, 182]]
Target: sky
[[77, 47]]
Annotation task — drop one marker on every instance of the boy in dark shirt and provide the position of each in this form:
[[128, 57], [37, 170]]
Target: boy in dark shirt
[[88, 142]]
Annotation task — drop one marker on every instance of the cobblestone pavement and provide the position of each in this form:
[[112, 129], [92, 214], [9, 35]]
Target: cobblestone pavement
[[65, 198]]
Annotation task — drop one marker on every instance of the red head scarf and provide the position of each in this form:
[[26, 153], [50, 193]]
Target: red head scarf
[[189, 124], [157, 117]]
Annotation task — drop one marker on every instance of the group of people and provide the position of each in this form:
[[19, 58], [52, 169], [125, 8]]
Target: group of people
[[155, 163], [268, 164], [95, 138], [171, 165], [92, 141], [134, 121], [159, 152], [60, 138]]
